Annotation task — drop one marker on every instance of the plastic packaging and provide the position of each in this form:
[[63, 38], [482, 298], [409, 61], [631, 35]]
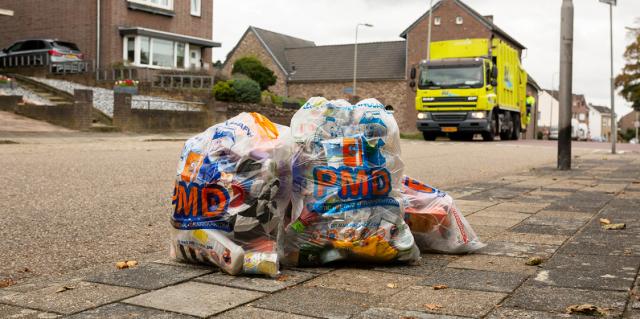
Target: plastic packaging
[[232, 189], [435, 221], [347, 174]]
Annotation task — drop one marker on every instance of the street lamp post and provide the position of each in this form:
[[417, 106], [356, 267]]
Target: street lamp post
[[565, 91], [614, 130], [429, 30], [355, 56]]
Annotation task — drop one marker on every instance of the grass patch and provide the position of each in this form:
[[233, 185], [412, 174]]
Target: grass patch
[[411, 136], [8, 142]]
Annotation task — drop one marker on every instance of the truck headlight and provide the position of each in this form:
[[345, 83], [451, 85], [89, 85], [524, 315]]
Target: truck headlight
[[427, 99], [472, 98], [478, 115], [423, 116]]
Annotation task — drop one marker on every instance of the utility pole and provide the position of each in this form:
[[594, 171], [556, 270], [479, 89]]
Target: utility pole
[[429, 31], [565, 91], [355, 56], [614, 129]]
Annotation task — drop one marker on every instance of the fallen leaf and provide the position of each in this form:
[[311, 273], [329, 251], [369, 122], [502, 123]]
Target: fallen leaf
[[132, 263], [392, 285], [438, 287], [604, 221], [614, 226], [586, 309], [121, 265], [635, 182], [4, 283], [534, 261], [627, 252], [433, 306], [282, 278], [64, 288]]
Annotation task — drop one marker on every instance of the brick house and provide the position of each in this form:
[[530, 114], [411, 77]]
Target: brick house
[[627, 122], [305, 69], [152, 34]]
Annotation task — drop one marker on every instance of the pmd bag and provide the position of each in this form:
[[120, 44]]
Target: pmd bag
[[231, 190], [435, 221], [347, 173]]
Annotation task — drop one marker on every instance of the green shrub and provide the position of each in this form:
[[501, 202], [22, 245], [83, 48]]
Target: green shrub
[[246, 91], [224, 91], [253, 68]]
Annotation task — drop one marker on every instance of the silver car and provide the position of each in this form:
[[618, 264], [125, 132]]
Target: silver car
[[28, 52]]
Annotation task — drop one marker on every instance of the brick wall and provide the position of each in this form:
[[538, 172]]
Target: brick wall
[[250, 46], [626, 122], [387, 92], [76, 116]]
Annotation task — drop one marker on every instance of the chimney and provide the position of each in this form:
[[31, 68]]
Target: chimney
[[489, 17]]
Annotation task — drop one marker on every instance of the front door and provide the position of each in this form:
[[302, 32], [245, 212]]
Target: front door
[[195, 59]]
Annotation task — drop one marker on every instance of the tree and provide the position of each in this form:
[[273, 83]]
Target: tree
[[253, 68], [629, 79]]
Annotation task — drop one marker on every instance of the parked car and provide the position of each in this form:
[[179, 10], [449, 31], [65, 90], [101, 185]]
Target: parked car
[[58, 51]]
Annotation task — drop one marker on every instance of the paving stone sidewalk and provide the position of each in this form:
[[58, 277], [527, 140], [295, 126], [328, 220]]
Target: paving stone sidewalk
[[546, 213]]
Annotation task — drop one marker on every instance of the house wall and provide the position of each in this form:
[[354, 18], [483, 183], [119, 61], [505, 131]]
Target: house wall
[[606, 126], [387, 92], [548, 108], [117, 14], [595, 123], [75, 21], [70, 20], [250, 45], [626, 122], [578, 107]]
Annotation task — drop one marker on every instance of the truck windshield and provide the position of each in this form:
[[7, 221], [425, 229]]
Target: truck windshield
[[451, 76]]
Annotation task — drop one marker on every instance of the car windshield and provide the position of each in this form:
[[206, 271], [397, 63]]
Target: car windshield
[[67, 45], [451, 76]]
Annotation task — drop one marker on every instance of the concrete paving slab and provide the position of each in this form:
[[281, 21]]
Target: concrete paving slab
[[543, 230], [517, 206], [120, 310], [622, 266], [364, 281], [457, 302], [318, 302], [313, 270], [492, 213], [616, 243], [195, 298], [75, 298], [511, 249], [565, 215], [595, 279], [428, 264], [288, 278], [476, 280], [494, 263], [148, 276], [493, 221], [509, 313], [246, 312], [7, 311], [487, 232], [385, 313], [557, 299], [530, 238]]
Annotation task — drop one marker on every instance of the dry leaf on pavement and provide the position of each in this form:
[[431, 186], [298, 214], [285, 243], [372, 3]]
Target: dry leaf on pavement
[[438, 287], [614, 226], [132, 263], [64, 288], [433, 306], [392, 285], [534, 261], [604, 221], [586, 309], [4, 283], [282, 278]]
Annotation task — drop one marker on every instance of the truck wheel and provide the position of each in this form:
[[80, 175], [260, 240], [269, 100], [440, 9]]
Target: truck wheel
[[506, 135], [516, 127], [429, 136], [491, 135]]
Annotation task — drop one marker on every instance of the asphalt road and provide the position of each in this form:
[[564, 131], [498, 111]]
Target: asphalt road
[[72, 200]]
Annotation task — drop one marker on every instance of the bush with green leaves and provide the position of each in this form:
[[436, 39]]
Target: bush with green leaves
[[253, 68], [223, 91], [247, 91]]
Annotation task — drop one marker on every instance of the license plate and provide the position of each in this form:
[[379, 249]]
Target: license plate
[[70, 56], [450, 129]]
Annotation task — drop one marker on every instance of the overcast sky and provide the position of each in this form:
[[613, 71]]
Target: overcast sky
[[536, 24]]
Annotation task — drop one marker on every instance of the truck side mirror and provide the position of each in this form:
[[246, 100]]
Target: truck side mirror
[[494, 72], [494, 82], [412, 74]]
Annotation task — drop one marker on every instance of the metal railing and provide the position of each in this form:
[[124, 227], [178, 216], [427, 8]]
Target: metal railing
[[43, 59], [182, 81], [115, 74], [70, 67], [146, 104]]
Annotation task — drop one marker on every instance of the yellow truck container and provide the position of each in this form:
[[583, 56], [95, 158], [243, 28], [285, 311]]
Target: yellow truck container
[[471, 86]]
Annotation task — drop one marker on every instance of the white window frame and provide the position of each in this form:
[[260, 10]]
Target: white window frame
[[138, 46], [198, 10], [437, 20], [459, 20], [169, 5]]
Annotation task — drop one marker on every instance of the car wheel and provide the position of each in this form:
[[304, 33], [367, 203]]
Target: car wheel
[[429, 136]]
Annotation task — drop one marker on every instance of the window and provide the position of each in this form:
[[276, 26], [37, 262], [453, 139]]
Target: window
[[180, 55], [162, 53], [145, 50], [437, 20], [131, 49], [459, 20], [196, 7], [164, 4], [33, 45]]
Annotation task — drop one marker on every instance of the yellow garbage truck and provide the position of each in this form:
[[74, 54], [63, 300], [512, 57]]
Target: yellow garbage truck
[[471, 86]]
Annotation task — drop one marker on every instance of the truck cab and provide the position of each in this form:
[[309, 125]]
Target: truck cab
[[469, 88]]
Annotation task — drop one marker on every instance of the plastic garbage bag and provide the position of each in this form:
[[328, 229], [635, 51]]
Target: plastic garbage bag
[[232, 188], [347, 174], [435, 221]]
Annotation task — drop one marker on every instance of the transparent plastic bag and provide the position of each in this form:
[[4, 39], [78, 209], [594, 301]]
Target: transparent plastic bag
[[232, 188], [435, 221], [347, 173]]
